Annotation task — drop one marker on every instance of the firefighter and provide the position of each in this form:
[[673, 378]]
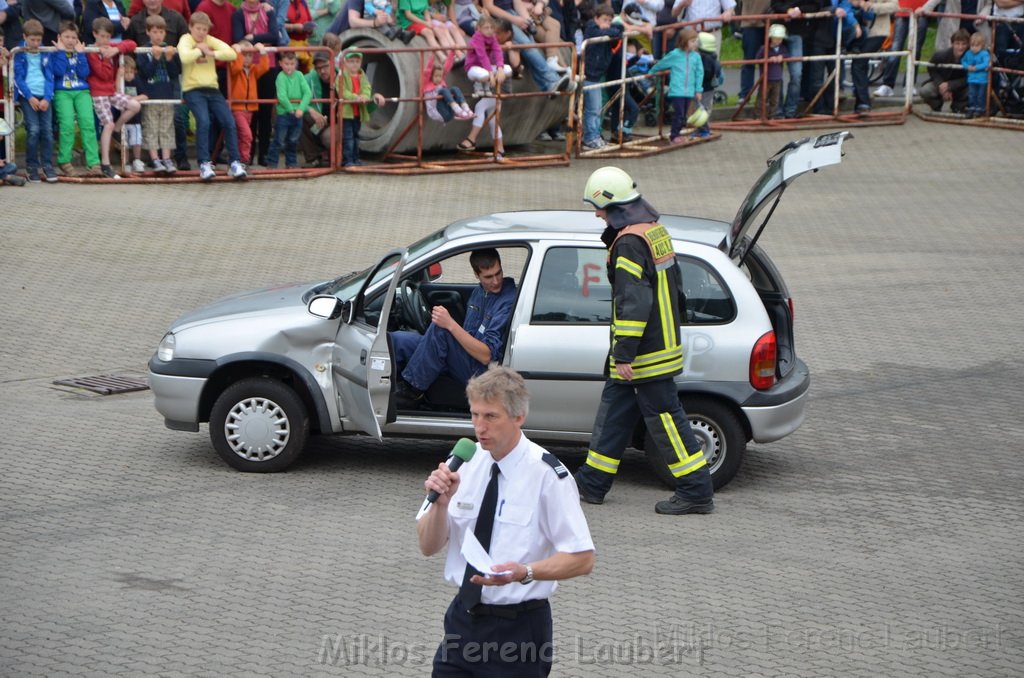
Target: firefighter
[[645, 354]]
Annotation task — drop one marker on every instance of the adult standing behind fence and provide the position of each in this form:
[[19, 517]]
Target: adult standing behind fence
[[50, 13], [646, 352], [703, 10], [804, 37], [900, 37], [870, 41], [950, 24], [519, 502]]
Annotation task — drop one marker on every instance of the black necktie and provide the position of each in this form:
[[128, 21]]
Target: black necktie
[[469, 592]]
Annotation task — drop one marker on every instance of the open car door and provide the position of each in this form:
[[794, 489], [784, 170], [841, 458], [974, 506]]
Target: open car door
[[792, 160], [362, 363]]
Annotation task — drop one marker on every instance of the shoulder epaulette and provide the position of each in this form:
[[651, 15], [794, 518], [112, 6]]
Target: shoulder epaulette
[[552, 461]]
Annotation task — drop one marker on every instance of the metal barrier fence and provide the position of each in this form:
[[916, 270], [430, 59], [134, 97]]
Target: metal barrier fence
[[1014, 78]]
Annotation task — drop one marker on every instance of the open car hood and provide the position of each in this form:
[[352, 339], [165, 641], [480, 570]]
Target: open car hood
[[792, 160]]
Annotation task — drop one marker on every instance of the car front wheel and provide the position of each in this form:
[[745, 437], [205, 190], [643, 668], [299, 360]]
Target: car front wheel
[[259, 425], [719, 431]]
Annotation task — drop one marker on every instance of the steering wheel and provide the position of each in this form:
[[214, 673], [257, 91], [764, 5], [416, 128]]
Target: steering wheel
[[414, 307]]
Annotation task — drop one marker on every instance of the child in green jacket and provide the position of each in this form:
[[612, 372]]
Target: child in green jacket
[[357, 104], [293, 97]]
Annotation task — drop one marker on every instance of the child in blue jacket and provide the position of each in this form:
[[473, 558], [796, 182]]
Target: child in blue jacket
[[686, 79], [976, 61], [33, 87]]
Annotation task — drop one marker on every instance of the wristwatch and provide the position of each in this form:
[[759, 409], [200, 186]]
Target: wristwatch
[[528, 579]]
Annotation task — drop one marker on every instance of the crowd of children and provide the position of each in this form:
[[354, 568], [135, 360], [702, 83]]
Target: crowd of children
[[132, 92]]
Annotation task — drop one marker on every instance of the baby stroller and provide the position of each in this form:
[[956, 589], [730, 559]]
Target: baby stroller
[[1009, 87], [643, 91]]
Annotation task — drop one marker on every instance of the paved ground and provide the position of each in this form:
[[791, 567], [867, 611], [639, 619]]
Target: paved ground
[[883, 538]]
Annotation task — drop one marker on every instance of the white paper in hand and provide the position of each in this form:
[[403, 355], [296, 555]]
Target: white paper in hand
[[476, 556]]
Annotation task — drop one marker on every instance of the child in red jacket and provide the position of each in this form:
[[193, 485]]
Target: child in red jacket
[[103, 70]]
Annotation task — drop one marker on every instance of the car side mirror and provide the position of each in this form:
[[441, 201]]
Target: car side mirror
[[325, 306]]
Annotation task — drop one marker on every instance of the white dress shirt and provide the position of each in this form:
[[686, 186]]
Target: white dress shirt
[[538, 515]]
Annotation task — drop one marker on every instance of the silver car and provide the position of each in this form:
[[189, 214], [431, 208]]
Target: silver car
[[268, 368]]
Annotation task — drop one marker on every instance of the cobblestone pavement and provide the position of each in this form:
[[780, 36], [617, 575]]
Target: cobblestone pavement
[[883, 538]]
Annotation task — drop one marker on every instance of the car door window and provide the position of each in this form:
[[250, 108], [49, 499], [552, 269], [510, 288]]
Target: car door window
[[708, 300], [573, 288]]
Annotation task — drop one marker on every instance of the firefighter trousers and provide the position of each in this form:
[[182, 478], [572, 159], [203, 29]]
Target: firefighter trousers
[[622, 404]]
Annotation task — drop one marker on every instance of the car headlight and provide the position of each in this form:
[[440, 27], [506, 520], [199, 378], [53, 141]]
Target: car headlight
[[165, 351]]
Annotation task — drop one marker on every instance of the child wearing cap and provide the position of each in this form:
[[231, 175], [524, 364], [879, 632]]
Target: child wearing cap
[[358, 101], [707, 44], [776, 52]]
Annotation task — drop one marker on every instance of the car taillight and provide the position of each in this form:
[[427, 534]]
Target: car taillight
[[762, 362]]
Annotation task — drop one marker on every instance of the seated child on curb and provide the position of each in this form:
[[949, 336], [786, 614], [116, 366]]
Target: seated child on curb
[[293, 96], [358, 101], [159, 72], [485, 64], [72, 100], [131, 134], [33, 88], [245, 73], [450, 102], [103, 67]]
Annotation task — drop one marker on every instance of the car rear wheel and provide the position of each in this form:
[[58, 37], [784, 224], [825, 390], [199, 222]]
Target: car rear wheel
[[719, 430], [259, 425]]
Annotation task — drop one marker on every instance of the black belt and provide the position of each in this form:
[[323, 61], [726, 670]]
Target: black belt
[[507, 611]]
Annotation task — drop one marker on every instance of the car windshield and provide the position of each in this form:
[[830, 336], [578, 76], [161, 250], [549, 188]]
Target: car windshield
[[348, 285]]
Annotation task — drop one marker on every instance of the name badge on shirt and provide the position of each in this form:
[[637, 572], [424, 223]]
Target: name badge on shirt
[[464, 505], [483, 328]]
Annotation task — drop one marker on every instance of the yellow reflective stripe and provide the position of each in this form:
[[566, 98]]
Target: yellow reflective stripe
[[673, 436], [667, 368], [672, 353], [665, 310], [629, 328], [683, 468], [631, 267], [602, 463]]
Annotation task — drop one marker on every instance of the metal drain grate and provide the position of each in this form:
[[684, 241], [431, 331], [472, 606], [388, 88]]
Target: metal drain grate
[[106, 384]]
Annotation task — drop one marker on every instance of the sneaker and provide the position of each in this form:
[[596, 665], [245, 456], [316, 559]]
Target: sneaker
[[50, 174], [237, 171], [884, 91], [585, 495], [676, 506], [108, 172], [169, 166], [33, 176], [407, 396], [95, 171], [595, 144], [182, 164], [560, 85], [863, 109], [68, 169], [677, 140], [138, 166], [206, 171], [158, 166], [15, 180], [555, 66]]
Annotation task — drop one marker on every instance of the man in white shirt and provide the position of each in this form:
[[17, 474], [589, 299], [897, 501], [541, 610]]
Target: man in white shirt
[[522, 505]]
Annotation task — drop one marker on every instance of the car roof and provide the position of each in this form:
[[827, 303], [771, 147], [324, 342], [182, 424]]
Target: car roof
[[536, 224]]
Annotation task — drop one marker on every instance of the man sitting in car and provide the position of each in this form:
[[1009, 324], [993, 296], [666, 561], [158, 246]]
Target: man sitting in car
[[460, 351]]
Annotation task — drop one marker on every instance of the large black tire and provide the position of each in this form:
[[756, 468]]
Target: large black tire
[[259, 425], [719, 429]]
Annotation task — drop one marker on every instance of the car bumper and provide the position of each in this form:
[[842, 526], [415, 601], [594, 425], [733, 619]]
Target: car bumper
[[177, 388], [776, 413]]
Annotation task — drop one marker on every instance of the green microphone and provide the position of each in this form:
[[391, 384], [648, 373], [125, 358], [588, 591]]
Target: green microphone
[[462, 452]]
